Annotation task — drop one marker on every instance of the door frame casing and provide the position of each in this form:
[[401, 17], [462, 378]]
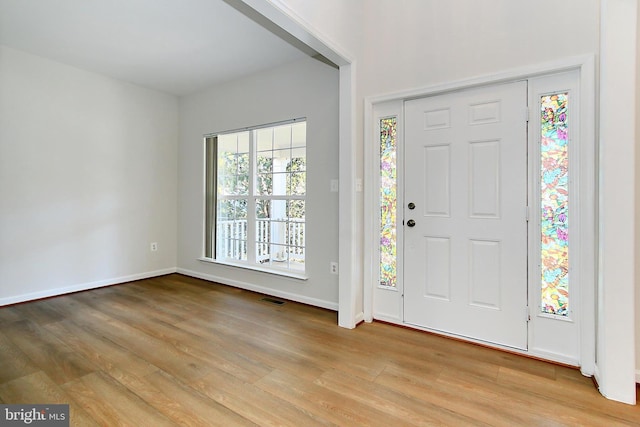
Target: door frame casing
[[586, 252]]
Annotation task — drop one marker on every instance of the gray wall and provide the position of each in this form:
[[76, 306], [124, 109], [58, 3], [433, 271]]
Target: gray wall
[[305, 88], [87, 179]]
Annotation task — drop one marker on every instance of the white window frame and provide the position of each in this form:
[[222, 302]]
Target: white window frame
[[211, 197]]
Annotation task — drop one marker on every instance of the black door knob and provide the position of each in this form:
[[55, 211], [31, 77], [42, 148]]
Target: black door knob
[[411, 223], [411, 205]]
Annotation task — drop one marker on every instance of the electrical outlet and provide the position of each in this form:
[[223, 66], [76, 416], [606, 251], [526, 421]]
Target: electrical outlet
[[153, 247], [334, 267], [334, 185]]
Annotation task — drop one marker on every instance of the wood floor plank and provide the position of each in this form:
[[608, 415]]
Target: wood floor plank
[[251, 351], [38, 388], [175, 350], [254, 403], [47, 352], [97, 349], [279, 341], [9, 314], [155, 351], [208, 351], [178, 402], [462, 403], [15, 363], [583, 401], [333, 406], [402, 407], [111, 404]]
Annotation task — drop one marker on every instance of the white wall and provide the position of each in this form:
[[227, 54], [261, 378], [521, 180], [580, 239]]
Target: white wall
[[305, 88], [88, 176], [616, 288]]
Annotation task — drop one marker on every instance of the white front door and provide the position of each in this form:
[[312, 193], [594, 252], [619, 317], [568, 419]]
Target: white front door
[[465, 233]]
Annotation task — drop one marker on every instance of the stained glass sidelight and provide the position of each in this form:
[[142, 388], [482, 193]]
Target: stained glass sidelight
[[388, 201], [554, 191]]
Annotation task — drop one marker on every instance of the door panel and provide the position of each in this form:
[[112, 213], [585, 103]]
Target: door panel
[[465, 263]]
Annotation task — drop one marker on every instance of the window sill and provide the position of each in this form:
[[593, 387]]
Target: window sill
[[247, 266]]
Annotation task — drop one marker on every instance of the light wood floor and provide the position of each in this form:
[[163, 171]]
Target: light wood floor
[[179, 351]]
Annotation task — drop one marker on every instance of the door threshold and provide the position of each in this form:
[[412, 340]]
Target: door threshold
[[492, 346]]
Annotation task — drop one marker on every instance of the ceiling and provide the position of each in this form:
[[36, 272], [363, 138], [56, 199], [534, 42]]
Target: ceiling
[[175, 46]]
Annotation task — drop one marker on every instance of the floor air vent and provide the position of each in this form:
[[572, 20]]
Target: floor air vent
[[272, 301]]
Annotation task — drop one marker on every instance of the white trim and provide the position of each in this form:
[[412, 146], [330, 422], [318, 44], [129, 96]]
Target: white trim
[[637, 376], [597, 376], [350, 259], [389, 318], [586, 66], [529, 71], [587, 188], [84, 286], [617, 221], [374, 294], [260, 289], [370, 227], [284, 17], [250, 266]]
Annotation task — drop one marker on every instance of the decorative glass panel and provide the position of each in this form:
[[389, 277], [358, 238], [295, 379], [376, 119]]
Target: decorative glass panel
[[388, 201], [554, 192]]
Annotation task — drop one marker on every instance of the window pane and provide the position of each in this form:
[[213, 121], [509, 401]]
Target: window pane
[[227, 163], [263, 208], [295, 209], [296, 259], [264, 139], [279, 181], [243, 142], [279, 210], [295, 233], [241, 209], [227, 143], [554, 192], [299, 134], [226, 185], [243, 163], [298, 184], [225, 210], [282, 137], [227, 246], [264, 184], [298, 160], [264, 162], [388, 201], [281, 159], [263, 231], [279, 255], [242, 185]]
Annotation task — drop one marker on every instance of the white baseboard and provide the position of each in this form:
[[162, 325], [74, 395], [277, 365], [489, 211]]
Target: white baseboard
[[389, 318], [261, 289], [83, 286]]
